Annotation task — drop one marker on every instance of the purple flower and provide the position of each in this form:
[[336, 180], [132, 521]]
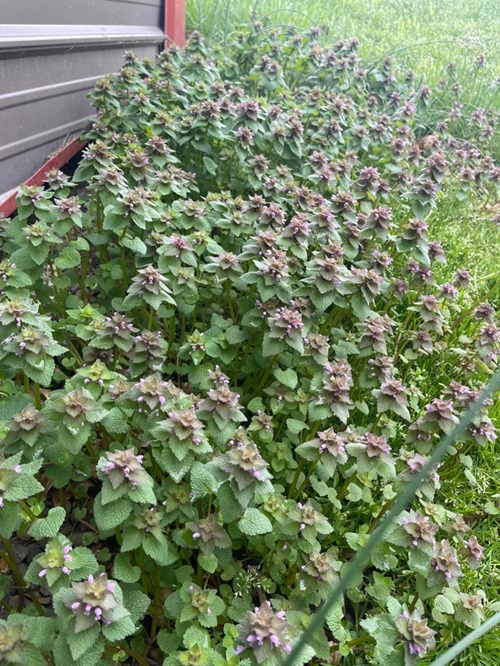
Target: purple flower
[[92, 601], [123, 467], [418, 635], [264, 632]]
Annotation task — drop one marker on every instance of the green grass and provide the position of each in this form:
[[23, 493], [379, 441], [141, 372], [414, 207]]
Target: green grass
[[425, 35], [471, 241]]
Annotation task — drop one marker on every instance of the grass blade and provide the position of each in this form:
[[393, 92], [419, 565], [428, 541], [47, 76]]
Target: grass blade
[[467, 640], [365, 553]]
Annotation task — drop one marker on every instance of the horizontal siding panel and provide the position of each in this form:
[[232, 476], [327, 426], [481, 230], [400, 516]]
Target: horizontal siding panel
[[70, 12], [36, 39], [43, 138], [29, 124], [51, 55], [35, 119], [26, 72], [31, 95]]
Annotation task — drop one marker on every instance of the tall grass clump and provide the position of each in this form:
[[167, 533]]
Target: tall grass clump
[[230, 342], [450, 45]]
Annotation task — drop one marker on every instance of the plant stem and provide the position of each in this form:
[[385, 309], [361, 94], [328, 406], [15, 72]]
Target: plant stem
[[91, 453], [342, 491], [358, 640], [74, 351], [183, 329], [9, 557], [375, 423], [38, 398], [171, 332], [306, 480], [382, 513], [227, 288], [27, 510], [131, 652], [299, 469], [150, 320], [264, 379], [123, 261], [156, 604]]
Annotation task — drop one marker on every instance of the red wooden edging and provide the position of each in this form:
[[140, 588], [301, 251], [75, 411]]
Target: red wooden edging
[[9, 205], [175, 22]]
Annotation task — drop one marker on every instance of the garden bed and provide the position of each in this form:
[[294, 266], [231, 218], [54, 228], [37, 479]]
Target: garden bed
[[229, 343]]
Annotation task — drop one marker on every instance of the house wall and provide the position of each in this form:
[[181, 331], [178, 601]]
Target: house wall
[[51, 54]]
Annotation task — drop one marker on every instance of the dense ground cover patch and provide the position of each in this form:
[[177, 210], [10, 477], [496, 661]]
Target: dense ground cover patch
[[442, 40], [228, 344]]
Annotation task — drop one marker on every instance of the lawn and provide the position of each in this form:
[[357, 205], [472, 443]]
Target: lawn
[[245, 341], [426, 35]]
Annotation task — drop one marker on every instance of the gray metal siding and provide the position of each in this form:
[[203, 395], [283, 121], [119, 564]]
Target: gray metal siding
[[51, 54]]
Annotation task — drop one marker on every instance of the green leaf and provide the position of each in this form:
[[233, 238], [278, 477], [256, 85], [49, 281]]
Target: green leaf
[[354, 493], [228, 504], [80, 244], [135, 244], [9, 519], [168, 643], [234, 335], [143, 494], [208, 562], [43, 374], [63, 657], [270, 346], [254, 522], [39, 253], [210, 165], [318, 412], [46, 528], [69, 258], [12, 405], [295, 426], [124, 570], [84, 563], [59, 474], [81, 642], [159, 550], [72, 441], [22, 487], [41, 631], [109, 516], [136, 602], [32, 656], [287, 377], [131, 539], [334, 622], [188, 614], [202, 481], [115, 421], [195, 636], [381, 588], [443, 605], [174, 604], [419, 209], [120, 629], [419, 561]]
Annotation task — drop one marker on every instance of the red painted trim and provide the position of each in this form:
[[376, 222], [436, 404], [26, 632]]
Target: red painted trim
[[9, 205], [175, 22]]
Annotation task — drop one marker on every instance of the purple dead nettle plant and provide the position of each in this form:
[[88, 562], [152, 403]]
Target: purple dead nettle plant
[[229, 339]]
